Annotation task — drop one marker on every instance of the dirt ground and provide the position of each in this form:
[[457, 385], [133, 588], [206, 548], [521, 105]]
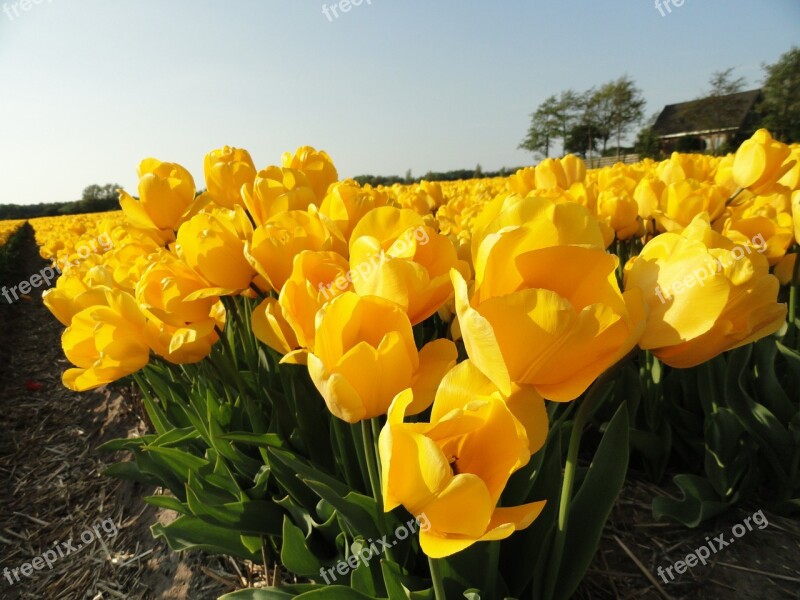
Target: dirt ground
[[51, 490]]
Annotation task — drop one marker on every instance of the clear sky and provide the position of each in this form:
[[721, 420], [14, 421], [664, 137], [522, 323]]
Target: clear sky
[[89, 88]]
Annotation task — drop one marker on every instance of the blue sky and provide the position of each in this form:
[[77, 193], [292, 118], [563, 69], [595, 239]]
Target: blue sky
[[89, 88]]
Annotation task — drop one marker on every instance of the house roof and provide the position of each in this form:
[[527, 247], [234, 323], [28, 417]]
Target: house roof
[[720, 113]]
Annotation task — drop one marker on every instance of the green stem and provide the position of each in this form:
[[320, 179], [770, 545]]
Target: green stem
[[372, 464], [586, 409], [436, 577], [734, 196], [370, 450], [793, 293], [492, 568], [341, 443]]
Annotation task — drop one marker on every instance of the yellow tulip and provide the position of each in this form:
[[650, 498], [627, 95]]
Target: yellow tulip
[[185, 344], [274, 245], [347, 203], [106, 342], [771, 235], [705, 295], [70, 296], [683, 200], [523, 181], [276, 191], [396, 257], [759, 162], [784, 270], [226, 171], [213, 245], [617, 208], [166, 191], [364, 355], [454, 469], [791, 179], [546, 310], [165, 292], [317, 167], [648, 195], [289, 323]]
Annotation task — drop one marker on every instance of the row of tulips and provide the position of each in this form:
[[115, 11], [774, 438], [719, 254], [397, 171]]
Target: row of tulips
[[7, 229], [9, 232], [321, 360]]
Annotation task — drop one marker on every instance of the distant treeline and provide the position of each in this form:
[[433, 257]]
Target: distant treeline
[[96, 198], [476, 173]]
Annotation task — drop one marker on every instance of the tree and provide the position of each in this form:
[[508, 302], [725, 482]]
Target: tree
[[584, 134], [624, 107], [723, 84], [601, 102], [581, 140], [542, 130], [552, 121], [715, 109], [648, 144], [781, 89]]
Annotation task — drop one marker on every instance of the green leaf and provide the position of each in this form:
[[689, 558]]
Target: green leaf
[[130, 471], [792, 359], [187, 533], [771, 393], [358, 511], [399, 586], [335, 592], [283, 592], [305, 470], [700, 502], [176, 437], [125, 444], [773, 438], [252, 517], [295, 554], [524, 556], [179, 461], [169, 503], [261, 440]]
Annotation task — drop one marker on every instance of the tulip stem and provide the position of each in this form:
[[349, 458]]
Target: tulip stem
[[370, 450], [734, 196], [372, 463], [436, 577], [793, 285], [586, 408]]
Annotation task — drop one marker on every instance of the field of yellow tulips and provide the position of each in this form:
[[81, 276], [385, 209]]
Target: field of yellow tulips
[[326, 366]]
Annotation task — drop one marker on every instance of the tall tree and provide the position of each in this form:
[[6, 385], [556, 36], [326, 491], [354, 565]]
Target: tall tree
[[626, 107], [552, 121], [584, 134], [715, 109], [602, 106], [544, 128], [781, 89], [722, 83]]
